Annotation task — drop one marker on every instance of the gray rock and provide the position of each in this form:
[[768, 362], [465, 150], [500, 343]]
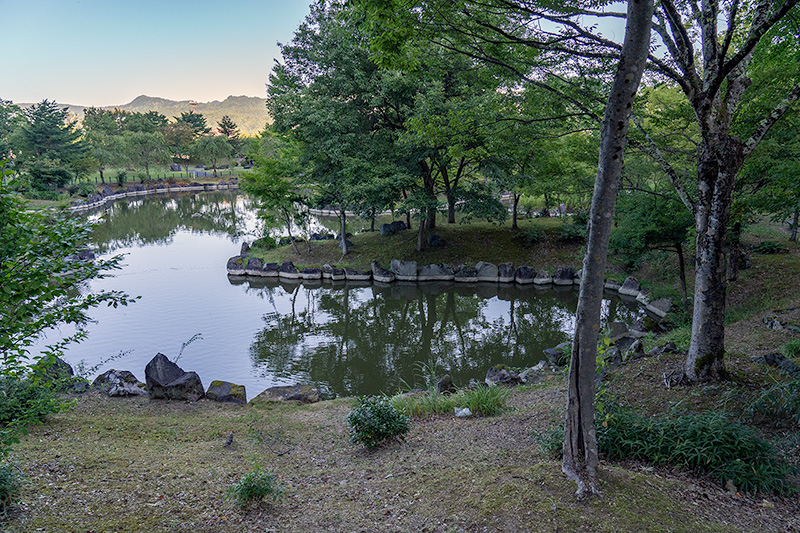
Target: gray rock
[[562, 209], [435, 273], [357, 275], [312, 273], [462, 412], [392, 227], [245, 251], [119, 383], [506, 273], [643, 297], [254, 266], [236, 266], [611, 285], [445, 385], [660, 307], [618, 330], [487, 272], [404, 270], [465, 274], [327, 271], [288, 393], [564, 276], [630, 287], [636, 351], [667, 348], [558, 356], [270, 270], [337, 274], [543, 277], [227, 392], [500, 375], [166, 380], [289, 271], [54, 369], [525, 275], [531, 374], [381, 274]]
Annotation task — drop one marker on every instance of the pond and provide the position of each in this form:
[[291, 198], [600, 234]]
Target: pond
[[348, 338]]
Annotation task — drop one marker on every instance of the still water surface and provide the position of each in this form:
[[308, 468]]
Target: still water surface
[[347, 338]]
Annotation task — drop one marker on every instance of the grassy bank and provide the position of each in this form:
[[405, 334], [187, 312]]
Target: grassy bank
[[465, 244]]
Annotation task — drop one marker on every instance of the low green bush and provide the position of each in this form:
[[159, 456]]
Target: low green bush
[[530, 236], [376, 420], [24, 401], [769, 247], [482, 401], [265, 243], [253, 487], [708, 442], [10, 485], [122, 178], [572, 232]]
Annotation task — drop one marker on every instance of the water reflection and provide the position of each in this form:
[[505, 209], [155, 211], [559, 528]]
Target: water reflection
[[357, 339]]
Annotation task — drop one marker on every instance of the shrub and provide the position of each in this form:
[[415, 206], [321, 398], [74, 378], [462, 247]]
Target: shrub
[[572, 232], [265, 243], [254, 487], [769, 247], [10, 484], [530, 236], [122, 178], [708, 442], [83, 188], [26, 400], [375, 420]]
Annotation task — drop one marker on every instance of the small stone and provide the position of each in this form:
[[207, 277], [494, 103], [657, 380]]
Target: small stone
[[462, 412]]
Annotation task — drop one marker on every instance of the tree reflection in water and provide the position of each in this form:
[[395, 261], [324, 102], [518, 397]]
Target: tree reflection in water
[[370, 338]]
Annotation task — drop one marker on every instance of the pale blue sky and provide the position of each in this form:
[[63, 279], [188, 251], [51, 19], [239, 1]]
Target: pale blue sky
[[107, 52]]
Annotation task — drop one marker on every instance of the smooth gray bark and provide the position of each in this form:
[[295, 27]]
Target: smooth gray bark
[[580, 444]]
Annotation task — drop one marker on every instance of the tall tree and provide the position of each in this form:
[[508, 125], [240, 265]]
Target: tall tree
[[196, 121], [228, 128], [212, 149], [144, 149]]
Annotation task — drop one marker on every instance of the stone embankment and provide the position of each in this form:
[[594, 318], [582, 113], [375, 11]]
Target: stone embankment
[[159, 187], [408, 271]]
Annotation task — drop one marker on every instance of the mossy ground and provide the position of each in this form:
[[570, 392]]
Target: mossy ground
[[144, 465]]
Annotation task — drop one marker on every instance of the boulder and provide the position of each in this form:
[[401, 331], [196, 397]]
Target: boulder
[[227, 392], [254, 266], [327, 271], [543, 277], [54, 370], [506, 273], [611, 285], [287, 393], [531, 374], [487, 272], [270, 270], [643, 297], [525, 275], [502, 375], [465, 274], [404, 270], [357, 275], [559, 355], [381, 274], [119, 383], [166, 380], [392, 227], [435, 240], [636, 351], [667, 348], [312, 273], [236, 266], [175, 167], [564, 276], [462, 412], [435, 273], [289, 271], [660, 307], [245, 251], [445, 385], [630, 287], [337, 274]]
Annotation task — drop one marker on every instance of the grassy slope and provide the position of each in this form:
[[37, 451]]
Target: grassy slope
[[141, 465]]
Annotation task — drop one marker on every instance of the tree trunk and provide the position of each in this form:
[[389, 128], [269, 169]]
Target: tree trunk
[[372, 220], [682, 272], [430, 222], [288, 219], [704, 361], [343, 231], [408, 220], [420, 231], [102, 179], [514, 224], [793, 236], [580, 445]]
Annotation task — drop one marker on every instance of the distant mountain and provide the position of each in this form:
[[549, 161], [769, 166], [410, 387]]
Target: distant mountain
[[248, 112]]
